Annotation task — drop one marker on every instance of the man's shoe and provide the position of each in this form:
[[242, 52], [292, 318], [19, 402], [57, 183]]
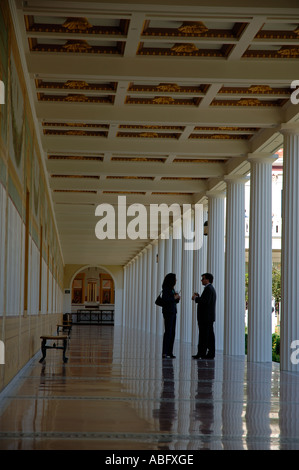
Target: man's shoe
[[196, 356]]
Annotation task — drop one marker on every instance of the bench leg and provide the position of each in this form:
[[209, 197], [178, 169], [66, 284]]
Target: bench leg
[[65, 359], [44, 350]]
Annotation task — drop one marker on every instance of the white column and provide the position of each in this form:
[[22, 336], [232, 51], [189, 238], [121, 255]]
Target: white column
[[150, 292], [138, 293], [187, 284], [130, 300], [197, 271], [215, 257], [127, 311], [199, 267], [125, 295], [168, 253], [135, 293], [155, 289], [160, 278], [289, 323], [260, 259], [143, 293], [234, 295], [177, 267]]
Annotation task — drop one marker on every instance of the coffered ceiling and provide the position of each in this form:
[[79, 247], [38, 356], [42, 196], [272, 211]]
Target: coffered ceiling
[[154, 101]]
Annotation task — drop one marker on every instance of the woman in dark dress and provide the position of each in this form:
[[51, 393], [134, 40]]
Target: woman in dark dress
[[169, 310]]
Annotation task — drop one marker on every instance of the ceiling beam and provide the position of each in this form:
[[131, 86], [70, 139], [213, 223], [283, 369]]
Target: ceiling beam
[[203, 170], [217, 147], [71, 201], [187, 186], [161, 115], [278, 71], [169, 7]]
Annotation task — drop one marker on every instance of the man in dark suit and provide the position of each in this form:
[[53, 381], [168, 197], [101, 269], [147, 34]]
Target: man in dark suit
[[206, 304]]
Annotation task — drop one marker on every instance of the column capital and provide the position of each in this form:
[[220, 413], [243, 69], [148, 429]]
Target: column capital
[[216, 194], [262, 157], [236, 179], [291, 128]]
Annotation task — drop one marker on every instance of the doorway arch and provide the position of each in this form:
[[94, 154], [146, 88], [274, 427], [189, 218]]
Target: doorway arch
[[114, 272], [95, 290]]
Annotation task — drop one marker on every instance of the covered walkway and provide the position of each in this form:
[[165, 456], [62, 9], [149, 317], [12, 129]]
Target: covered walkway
[[116, 393]]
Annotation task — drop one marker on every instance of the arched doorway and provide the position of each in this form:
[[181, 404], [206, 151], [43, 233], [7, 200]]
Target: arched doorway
[[93, 296]]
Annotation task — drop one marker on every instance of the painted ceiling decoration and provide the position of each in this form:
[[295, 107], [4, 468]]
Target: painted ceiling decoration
[[155, 101]]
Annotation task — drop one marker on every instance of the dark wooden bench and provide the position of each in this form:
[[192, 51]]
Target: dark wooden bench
[[95, 315], [66, 327], [67, 319], [56, 339]]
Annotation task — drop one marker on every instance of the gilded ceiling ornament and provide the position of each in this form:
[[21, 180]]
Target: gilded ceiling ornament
[[249, 102], [73, 124], [76, 46], [225, 128], [163, 100], [221, 136], [196, 27], [79, 23], [184, 48], [259, 88], [76, 84], [168, 87], [144, 127], [296, 31], [76, 98], [148, 134], [288, 51], [75, 132]]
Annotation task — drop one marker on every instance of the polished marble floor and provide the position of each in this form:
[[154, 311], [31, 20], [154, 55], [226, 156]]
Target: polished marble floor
[[116, 393]]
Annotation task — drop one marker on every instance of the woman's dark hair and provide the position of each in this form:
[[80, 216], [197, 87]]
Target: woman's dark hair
[[169, 281]]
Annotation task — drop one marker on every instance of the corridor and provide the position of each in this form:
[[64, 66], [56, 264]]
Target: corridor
[[116, 393]]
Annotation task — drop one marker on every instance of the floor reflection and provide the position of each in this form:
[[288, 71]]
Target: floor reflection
[[204, 405], [166, 413], [116, 392], [258, 409]]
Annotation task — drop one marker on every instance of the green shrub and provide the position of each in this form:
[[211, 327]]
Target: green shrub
[[275, 347]]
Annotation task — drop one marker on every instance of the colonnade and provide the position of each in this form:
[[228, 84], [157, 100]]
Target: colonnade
[[223, 254]]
